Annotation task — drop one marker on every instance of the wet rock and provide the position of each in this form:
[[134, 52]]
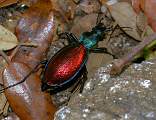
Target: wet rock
[[130, 96]]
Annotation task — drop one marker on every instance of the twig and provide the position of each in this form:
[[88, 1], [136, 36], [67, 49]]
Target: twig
[[23, 80], [121, 63]]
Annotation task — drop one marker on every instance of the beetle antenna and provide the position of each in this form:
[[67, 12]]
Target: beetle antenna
[[23, 80]]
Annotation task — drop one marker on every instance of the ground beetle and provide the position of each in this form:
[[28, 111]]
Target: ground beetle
[[68, 64]]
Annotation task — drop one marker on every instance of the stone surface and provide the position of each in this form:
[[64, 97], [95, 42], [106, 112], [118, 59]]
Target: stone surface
[[130, 96]]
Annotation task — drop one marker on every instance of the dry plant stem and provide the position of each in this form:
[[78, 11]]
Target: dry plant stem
[[119, 64]]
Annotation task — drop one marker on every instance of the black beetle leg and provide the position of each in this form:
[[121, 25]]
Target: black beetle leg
[[99, 18], [80, 84], [85, 72], [69, 37], [66, 35], [123, 28], [102, 50], [99, 50], [74, 38], [44, 62], [76, 86]]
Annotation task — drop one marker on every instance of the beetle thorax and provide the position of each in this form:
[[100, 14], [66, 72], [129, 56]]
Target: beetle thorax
[[90, 39]]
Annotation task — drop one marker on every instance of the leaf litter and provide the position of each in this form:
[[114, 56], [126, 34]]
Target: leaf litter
[[79, 17]]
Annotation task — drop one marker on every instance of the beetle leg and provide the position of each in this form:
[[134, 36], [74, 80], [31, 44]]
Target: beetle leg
[[99, 18], [70, 37], [44, 62], [74, 37], [101, 50], [80, 84], [66, 35], [76, 86], [85, 72]]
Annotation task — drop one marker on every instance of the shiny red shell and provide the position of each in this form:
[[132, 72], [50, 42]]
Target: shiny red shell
[[65, 64]]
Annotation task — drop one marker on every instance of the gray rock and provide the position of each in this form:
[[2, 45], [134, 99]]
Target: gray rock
[[130, 96]]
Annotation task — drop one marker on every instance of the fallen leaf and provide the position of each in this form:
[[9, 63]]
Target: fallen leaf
[[125, 16], [2, 66], [143, 26], [67, 8], [149, 8], [149, 31], [83, 24], [36, 26], [137, 4], [5, 3], [141, 21], [2, 1], [28, 2], [103, 2], [3, 104], [7, 39], [89, 6]]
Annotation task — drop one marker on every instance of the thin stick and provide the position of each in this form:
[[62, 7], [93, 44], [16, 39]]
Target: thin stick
[[119, 64], [23, 80]]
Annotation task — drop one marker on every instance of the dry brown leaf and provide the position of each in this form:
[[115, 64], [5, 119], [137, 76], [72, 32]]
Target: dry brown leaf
[[5, 3], [65, 9], [141, 21], [28, 2], [143, 26], [7, 39], [149, 31], [36, 25], [103, 2], [149, 8], [2, 65], [85, 23], [89, 6], [3, 104], [125, 16]]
